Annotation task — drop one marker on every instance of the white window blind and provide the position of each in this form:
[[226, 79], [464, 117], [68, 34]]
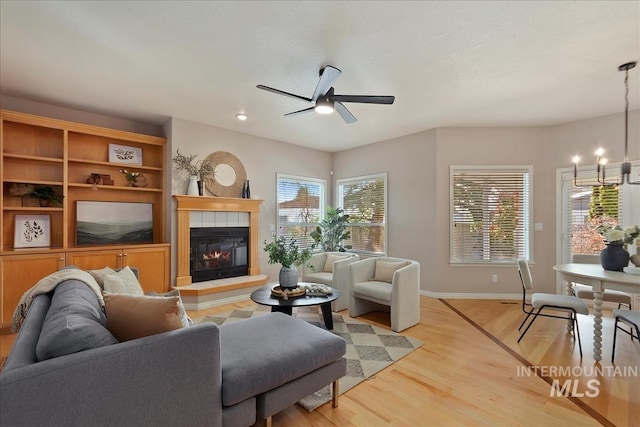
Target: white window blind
[[490, 214], [364, 199], [300, 207]]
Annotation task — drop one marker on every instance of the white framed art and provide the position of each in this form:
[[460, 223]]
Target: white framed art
[[124, 154], [32, 231]]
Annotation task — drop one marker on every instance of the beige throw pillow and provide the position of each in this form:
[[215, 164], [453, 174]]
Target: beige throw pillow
[[130, 317], [385, 269], [114, 284], [99, 275], [331, 259], [129, 282]]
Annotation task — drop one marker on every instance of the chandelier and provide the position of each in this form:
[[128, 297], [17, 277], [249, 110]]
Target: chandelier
[[601, 162]]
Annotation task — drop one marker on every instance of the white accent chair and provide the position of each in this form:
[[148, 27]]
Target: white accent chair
[[609, 295], [540, 301], [388, 284], [331, 269]]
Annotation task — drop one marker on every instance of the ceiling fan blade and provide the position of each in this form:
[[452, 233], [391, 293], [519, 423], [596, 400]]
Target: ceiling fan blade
[[329, 75], [344, 113], [280, 92], [295, 113], [364, 99]]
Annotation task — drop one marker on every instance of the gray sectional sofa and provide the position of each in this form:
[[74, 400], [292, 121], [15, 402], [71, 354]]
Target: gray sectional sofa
[[199, 375]]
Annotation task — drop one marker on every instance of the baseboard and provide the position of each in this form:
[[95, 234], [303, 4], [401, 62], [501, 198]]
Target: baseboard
[[465, 295]]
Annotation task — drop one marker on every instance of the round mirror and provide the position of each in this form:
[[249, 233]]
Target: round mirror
[[229, 175], [225, 175]]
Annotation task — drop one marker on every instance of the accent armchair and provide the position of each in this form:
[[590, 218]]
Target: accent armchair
[[331, 269], [388, 284]]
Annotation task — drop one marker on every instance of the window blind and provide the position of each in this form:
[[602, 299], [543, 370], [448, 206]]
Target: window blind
[[364, 199], [490, 214], [300, 207]]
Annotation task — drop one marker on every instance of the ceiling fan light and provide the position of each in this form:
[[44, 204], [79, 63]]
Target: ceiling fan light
[[324, 106]]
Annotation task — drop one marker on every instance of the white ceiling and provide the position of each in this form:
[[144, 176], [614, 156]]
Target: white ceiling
[[458, 63]]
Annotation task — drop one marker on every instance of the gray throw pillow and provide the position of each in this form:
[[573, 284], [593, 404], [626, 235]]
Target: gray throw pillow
[[75, 322]]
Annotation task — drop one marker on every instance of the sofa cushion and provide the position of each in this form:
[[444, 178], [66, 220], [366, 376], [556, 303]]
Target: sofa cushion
[[331, 259], [75, 322], [131, 316], [281, 349], [385, 269]]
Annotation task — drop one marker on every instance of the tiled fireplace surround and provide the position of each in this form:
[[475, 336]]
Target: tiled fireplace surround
[[198, 211]]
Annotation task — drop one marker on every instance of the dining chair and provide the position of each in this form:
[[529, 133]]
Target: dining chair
[[541, 301], [629, 317], [586, 292]]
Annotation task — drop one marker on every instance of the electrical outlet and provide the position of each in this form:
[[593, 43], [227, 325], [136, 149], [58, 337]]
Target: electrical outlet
[[494, 278]]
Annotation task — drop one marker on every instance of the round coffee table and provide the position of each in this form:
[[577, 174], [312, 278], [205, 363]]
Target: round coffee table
[[263, 296]]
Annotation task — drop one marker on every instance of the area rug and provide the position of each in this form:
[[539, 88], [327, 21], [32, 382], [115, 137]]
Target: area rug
[[369, 348]]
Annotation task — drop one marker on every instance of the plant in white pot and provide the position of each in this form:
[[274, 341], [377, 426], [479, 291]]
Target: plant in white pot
[[290, 256]]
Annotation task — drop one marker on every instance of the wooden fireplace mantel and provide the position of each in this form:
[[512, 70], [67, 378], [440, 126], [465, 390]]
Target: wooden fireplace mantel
[[186, 204]]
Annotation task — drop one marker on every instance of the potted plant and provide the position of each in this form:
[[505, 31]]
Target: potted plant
[[332, 231], [197, 171], [615, 256], [289, 256], [46, 195]]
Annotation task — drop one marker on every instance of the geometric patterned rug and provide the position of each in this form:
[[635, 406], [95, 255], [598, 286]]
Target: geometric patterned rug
[[369, 348]]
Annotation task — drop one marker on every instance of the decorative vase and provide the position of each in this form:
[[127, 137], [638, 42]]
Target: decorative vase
[[248, 194], [288, 278], [201, 188], [192, 188], [614, 258]]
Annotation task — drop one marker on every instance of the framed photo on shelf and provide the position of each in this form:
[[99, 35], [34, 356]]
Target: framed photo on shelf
[[109, 223], [125, 155], [32, 231]]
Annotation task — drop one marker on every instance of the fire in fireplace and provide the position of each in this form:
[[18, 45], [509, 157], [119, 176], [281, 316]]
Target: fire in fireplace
[[219, 252]]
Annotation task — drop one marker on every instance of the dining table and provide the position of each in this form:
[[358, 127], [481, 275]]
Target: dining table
[[599, 279]]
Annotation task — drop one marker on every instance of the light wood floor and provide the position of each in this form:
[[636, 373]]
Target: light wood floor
[[471, 371]]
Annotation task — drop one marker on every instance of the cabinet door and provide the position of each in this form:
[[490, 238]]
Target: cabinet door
[[21, 272], [95, 260], [152, 264]]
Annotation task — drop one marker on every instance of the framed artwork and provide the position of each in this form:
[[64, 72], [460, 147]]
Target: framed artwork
[[125, 155], [112, 223], [32, 231]]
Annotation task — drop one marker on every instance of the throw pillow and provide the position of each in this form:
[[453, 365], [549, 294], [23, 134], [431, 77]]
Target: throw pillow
[[130, 282], [130, 316], [331, 259], [74, 322], [114, 284], [99, 275], [182, 312], [385, 270]]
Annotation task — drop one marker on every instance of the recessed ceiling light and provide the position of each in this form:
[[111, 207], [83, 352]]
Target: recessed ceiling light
[[242, 117]]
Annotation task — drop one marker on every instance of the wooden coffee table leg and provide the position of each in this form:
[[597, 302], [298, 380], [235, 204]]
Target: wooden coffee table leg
[[327, 315], [281, 309]]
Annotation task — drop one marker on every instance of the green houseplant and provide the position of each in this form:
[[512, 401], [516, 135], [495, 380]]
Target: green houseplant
[[46, 195], [332, 231], [289, 255]]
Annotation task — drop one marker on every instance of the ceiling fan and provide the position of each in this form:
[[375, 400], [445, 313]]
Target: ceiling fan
[[324, 100]]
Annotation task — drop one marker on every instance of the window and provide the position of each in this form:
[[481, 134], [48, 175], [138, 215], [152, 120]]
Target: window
[[490, 214], [364, 199], [588, 205], [300, 207]]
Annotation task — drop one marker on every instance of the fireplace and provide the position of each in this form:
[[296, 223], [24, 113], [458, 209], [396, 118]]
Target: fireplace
[[218, 252]]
